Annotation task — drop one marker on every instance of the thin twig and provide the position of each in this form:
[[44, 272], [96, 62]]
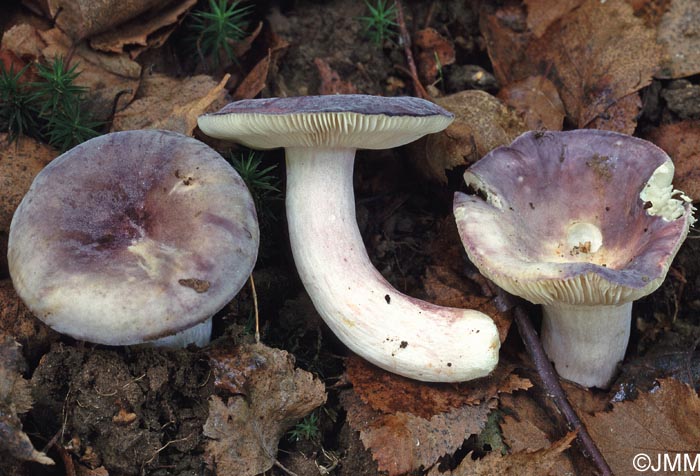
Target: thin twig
[[406, 40], [286, 470], [555, 390], [255, 309]]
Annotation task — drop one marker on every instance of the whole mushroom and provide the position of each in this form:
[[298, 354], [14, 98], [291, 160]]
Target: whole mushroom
[[320, 134], [133, 237], [583, 222]]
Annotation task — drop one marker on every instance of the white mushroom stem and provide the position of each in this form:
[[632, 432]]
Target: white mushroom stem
[[586, 343], [199, 335], [398, 333]]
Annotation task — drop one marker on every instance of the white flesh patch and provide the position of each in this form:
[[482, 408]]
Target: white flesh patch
[[660, 197]]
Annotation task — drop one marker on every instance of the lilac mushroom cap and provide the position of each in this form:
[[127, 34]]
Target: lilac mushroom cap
[[132, 237], [583, 222]]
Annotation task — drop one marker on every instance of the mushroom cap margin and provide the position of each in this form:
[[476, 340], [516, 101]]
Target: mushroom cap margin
[[345, 121]]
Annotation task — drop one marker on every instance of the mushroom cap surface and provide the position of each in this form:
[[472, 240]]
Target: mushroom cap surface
[[583, 217], [133, 236], [345, 120]]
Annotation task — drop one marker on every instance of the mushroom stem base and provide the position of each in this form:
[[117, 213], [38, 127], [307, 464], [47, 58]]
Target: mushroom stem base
[[199, 335], [586, 343]]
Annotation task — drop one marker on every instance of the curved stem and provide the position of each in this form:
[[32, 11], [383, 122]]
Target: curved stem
[[398, 333], [586, 343]]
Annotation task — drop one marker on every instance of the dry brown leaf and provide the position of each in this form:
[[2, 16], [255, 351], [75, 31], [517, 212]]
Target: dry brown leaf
[[434, 52], [445, 287], [665, 421], [621, 116], [24, 41], [83, 18], [171, 104], [596, 54], [109, 78], [401, 442], [542, 13], [523, 435], [19, 164], [255, 81], [390, 393], [682, 142], [15, 398], [544, 462], [330, 80], [536, 99], [145, 31], [17, 321], [482, 123], [679, 35], [81, 470], [245, 429]]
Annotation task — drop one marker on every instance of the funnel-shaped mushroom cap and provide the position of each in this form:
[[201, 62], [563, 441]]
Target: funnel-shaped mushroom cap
[[351, 120], [582, 217], [133, 236]]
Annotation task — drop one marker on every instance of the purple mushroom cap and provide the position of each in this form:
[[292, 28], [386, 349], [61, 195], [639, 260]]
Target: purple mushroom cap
[[348, 120], [133, 236], [580, 217]]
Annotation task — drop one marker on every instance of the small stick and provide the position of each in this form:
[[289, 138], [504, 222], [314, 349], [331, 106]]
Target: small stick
[[406, 40], [255, 308], [550, 380]]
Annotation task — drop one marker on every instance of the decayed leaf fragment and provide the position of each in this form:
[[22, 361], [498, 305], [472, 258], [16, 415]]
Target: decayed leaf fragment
[[537, 100], [596, 54], [434, 52], [244, 429], [15, 398], [16, 320], [542, 462], [679, 35], [401, 442], [142, 33], [408, 424], [482, 123], [83, 18], [665, 421], [171, 104]]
